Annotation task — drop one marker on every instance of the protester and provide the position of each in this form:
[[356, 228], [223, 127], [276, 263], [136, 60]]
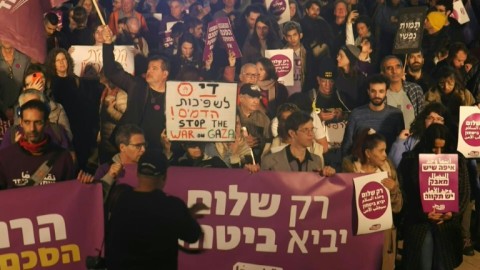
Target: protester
[[432, 240], [295, 157], [148, 239], [35, 149], [369, 156], [273, 92]]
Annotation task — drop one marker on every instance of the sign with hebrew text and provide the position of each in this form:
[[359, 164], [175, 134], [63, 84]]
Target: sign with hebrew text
[[282, 60], [89, 59], [201, 111], [45, 227], [439, 182], [273, 220], [374, 210], [221, 27], [469, 132], [410, 30]]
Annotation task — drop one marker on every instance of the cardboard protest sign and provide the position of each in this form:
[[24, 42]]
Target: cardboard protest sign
[[372, 198], [438, 177], [459, 13], [280, 9], [410, 30], [200, 111], [469, 132], [222, 27], [335, 133], [283, 62], [89, 59], [272, 221]]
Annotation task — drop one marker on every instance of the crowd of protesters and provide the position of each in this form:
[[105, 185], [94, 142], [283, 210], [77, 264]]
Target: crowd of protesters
[[394, 106]]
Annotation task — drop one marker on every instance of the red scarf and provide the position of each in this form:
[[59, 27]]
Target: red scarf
[[34, 148]]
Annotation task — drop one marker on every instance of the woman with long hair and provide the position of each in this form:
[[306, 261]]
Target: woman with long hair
[[431, 240], [274, 93], [369, 156], [266, 36], [350, 82]]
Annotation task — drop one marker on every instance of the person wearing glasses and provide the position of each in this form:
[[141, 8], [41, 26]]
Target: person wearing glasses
[[376, 114], [296, 157], [131, 144]]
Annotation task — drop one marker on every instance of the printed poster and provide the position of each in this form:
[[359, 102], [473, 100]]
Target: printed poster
[[439, 182], [469, 132], [410, 30], [283, 62], [89, 59], [201, 111], [374, 209], [280, 9]]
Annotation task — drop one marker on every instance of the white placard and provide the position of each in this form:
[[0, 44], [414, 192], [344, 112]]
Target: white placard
[[469, 132], [372, 200], [284, 65], [459, 12], [280, 9], [201, 111], [86, 57]]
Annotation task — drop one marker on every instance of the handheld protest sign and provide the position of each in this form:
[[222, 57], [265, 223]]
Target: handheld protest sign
[[438, 177], [410, 30], [201, 111]]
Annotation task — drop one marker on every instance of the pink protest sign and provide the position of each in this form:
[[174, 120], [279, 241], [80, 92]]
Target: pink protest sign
[[222, 27], [439, 182], [272, 220], [212, 34], [469, 132]]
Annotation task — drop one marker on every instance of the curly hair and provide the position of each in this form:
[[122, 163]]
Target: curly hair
[[52, 57], [417, 128]]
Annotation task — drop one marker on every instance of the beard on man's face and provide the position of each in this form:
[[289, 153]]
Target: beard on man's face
[[377, 101]]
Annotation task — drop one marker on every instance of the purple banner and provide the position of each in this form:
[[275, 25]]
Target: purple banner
[[53, 226], [272, 220], [212, 34], [439, 182]]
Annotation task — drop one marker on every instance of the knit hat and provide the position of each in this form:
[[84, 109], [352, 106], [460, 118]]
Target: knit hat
[[437, 20], [351, 51]]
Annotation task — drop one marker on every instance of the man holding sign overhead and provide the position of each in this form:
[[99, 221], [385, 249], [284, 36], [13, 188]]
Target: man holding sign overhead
[[146, 98]]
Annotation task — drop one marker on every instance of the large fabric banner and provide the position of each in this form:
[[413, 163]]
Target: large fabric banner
[[273, 220], [53, 226], [22, 26]]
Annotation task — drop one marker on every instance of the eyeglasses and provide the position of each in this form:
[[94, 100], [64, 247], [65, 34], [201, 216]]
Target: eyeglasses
[[250, 75], [307, 130], [138, 146]]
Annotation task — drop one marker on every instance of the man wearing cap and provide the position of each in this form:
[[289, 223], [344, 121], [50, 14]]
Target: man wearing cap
[[255, 121], [404, 95], [326, 97], [34, 159], [145, 223], [434, 38]]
